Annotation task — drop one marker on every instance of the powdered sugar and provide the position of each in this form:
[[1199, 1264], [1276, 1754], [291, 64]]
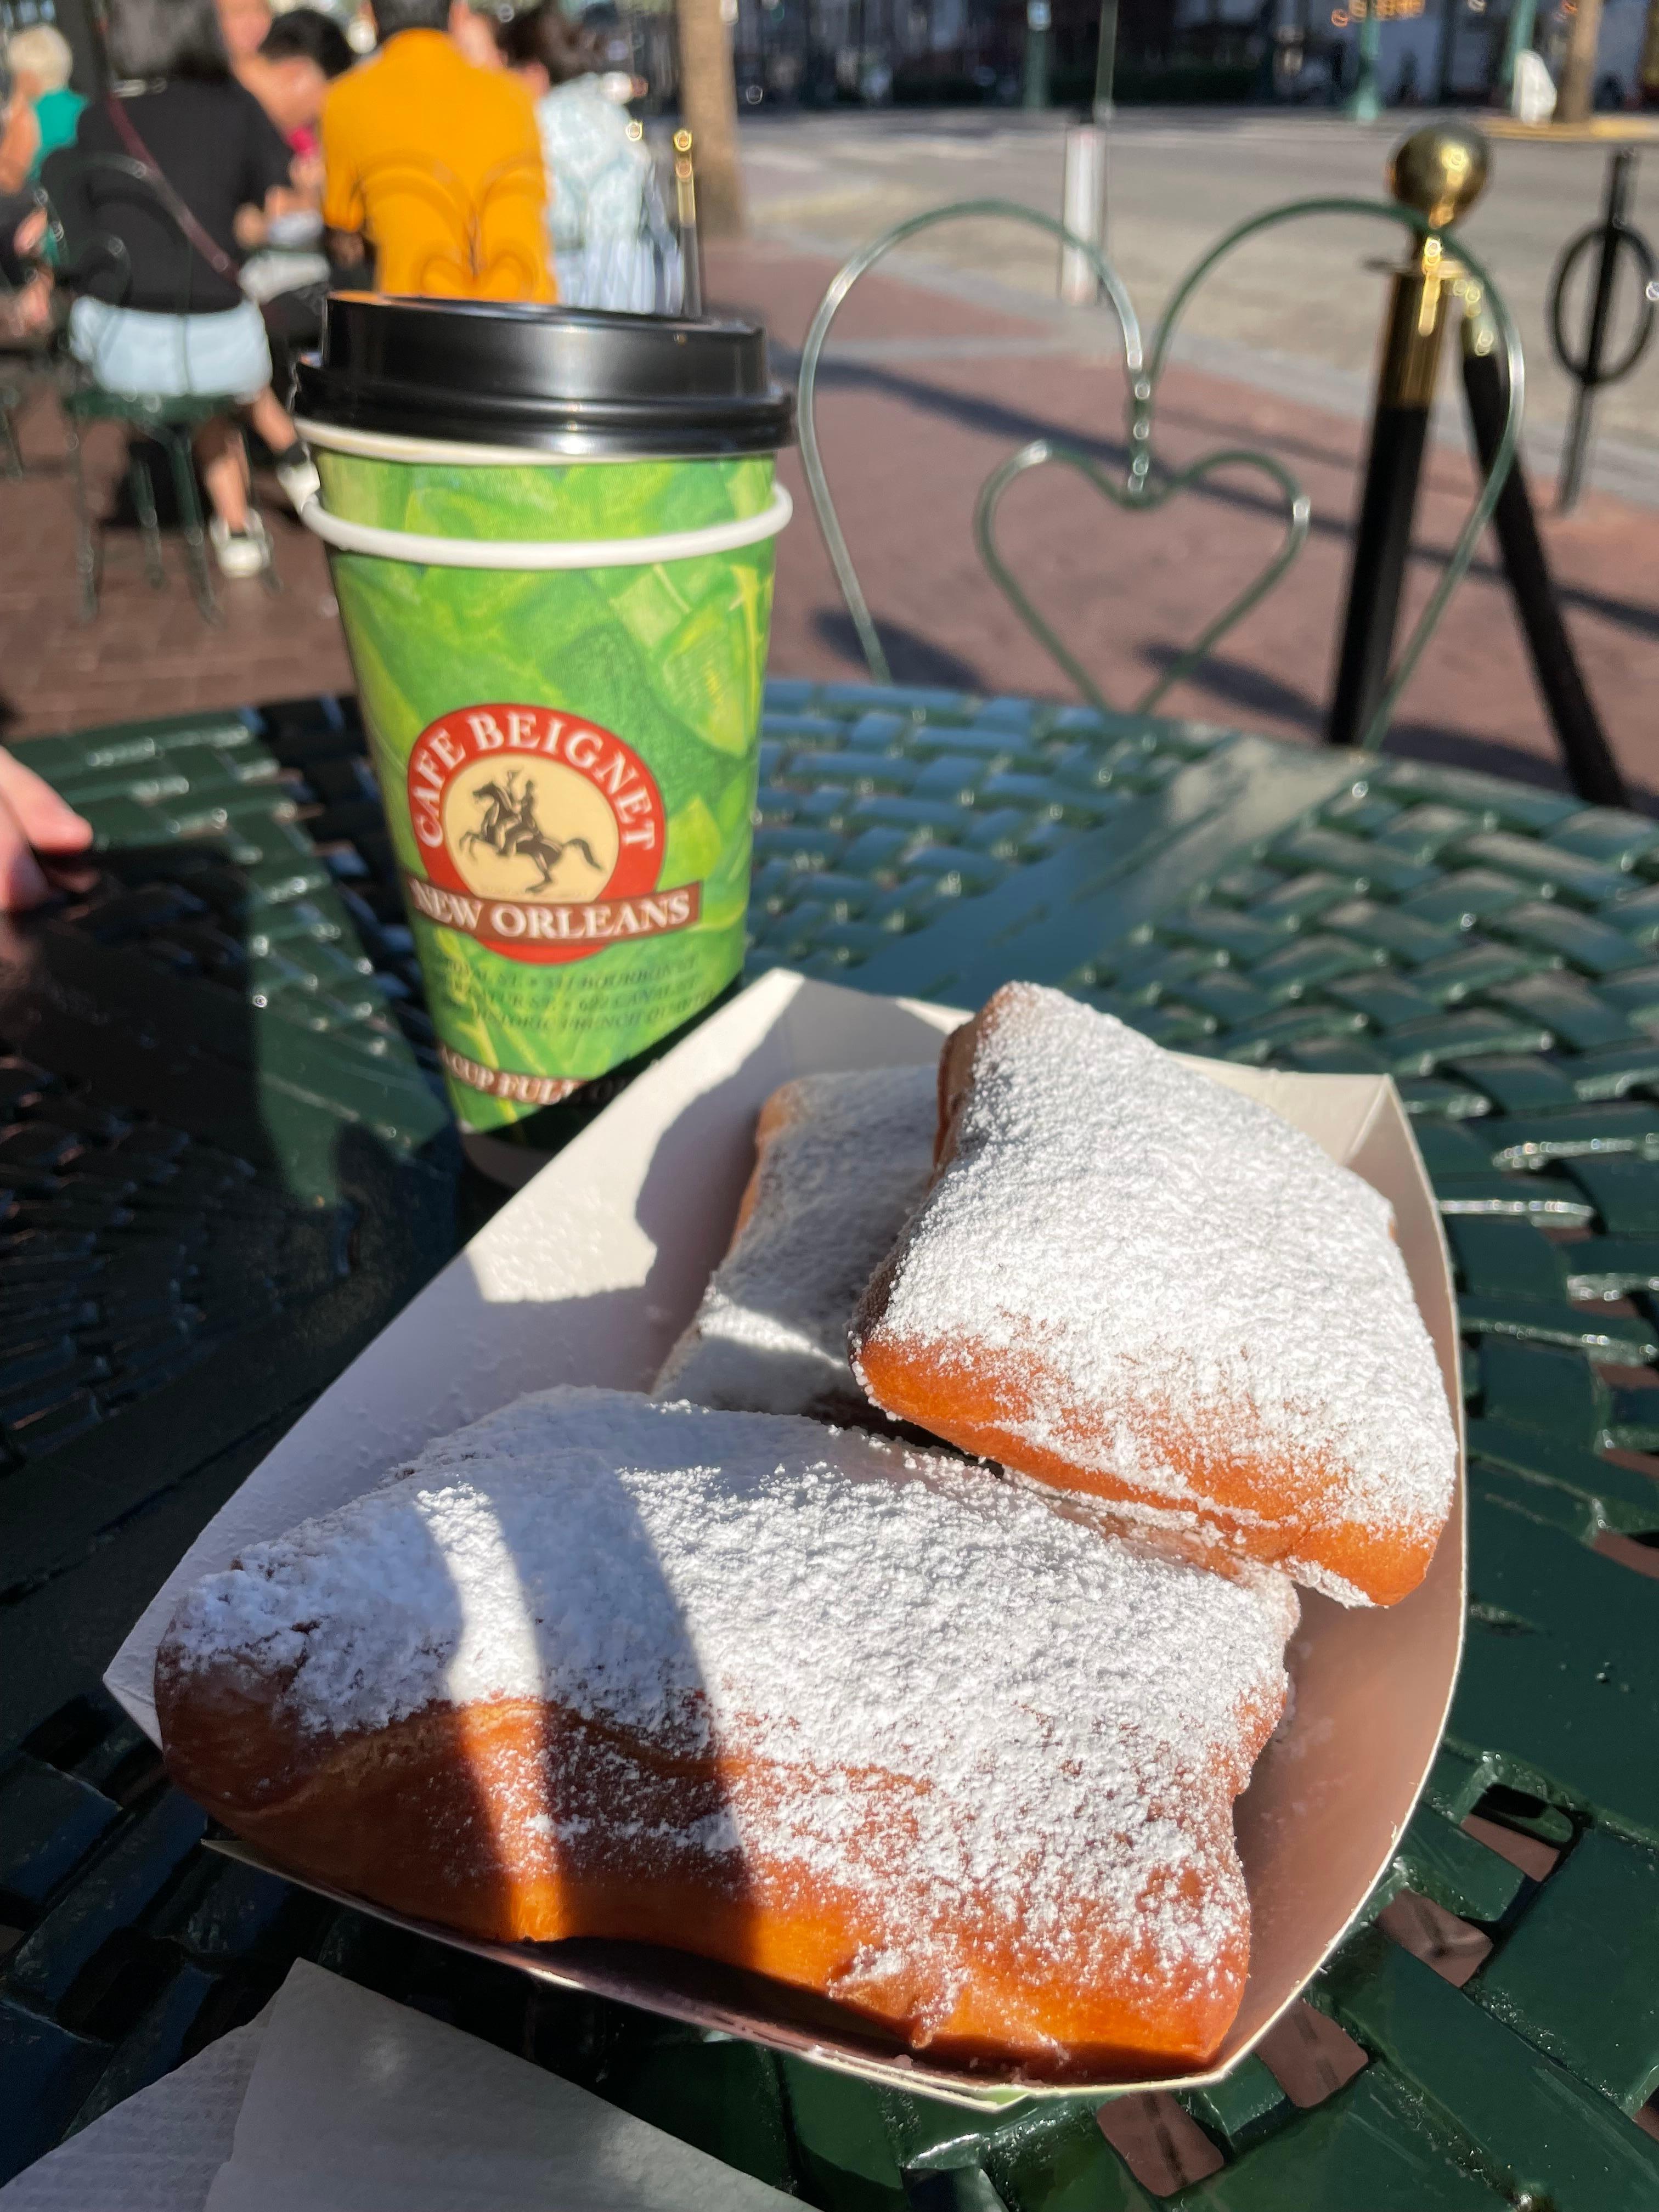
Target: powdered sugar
[[845, 1158], [1160, 1251], [1063, 1711]]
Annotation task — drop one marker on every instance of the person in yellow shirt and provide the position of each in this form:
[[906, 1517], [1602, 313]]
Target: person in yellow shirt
[[437, 165]]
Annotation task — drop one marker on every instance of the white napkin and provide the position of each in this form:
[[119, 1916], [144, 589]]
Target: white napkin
[[359, 2105], [349, 2103], [159, 2150]]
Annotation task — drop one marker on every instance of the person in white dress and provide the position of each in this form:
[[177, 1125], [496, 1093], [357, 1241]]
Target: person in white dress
[[609, 240]]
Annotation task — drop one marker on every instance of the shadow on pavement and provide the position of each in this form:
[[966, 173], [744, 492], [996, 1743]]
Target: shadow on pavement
[[1243, 689], [912, 658]]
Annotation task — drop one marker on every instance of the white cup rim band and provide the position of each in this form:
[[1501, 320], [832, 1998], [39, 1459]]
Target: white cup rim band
[[533, 553]]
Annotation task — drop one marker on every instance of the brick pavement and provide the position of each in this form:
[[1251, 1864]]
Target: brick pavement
[[932, 393], [149, 653]]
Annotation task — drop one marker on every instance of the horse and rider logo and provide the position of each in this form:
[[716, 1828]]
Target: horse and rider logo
[[538, 833], [508, 828]]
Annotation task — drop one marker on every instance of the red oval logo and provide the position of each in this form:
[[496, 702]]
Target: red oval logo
[[541, 834]]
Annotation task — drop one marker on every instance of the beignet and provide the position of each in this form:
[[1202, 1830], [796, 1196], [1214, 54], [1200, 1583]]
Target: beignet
[[839, 1160], [1129, 1280], [870, 1722]]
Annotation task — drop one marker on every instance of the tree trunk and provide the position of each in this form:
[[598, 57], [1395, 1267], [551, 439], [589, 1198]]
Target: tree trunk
[[1578, 96], [708, 103]]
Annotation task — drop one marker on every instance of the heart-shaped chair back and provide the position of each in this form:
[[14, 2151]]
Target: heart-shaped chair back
[[1143, 486]]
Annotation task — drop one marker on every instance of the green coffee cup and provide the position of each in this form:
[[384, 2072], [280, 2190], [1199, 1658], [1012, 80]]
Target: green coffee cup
[[551, 539]]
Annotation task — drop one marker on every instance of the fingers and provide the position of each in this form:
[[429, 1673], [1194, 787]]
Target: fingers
[[48, 822], [72, 878], [22, 885], [40, 833], [35, 306]]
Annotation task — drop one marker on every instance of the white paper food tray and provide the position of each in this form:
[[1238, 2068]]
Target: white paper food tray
[[589, 1274]]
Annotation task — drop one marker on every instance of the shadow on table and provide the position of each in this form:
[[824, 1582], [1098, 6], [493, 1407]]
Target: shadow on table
[[1221, 687], [1251, 694], [1427, 741], [213, 1205], [219, 1203]]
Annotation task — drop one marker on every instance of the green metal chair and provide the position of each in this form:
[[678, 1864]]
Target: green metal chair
[[25, 365], [172, 425], [24, 368], [170, 421], [1146, 482]]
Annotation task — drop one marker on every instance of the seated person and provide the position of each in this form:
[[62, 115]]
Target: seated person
[[473, 28], [20, 134], [301, 54], [40, 63], [299, 57], [605, 227], [166, 317], [437, 165], [242, 26]]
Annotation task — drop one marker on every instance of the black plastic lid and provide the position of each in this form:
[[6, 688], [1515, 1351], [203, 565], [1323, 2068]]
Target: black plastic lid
[[550, 380]]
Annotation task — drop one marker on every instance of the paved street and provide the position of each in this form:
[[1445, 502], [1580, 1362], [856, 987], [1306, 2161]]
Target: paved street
[[1179, 178]]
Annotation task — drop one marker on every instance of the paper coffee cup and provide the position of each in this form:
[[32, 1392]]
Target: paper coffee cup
[[551, 539]]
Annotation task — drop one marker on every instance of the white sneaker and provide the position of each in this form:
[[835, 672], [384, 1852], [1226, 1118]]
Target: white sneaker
[[300, 480], [239, 553]]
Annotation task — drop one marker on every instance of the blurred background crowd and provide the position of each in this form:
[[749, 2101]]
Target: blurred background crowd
[[192, 217], [182, 181]]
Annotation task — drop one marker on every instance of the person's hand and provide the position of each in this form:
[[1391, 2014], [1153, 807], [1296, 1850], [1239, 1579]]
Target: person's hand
[[25, 313], [37, 826]]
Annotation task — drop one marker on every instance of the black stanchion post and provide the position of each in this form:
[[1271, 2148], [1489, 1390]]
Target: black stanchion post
[[1590, 764], [1439, 172], [1611, 237], [685, 221], [1034, 68]]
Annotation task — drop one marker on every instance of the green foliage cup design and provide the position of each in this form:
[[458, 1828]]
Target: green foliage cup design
[[623, 681]]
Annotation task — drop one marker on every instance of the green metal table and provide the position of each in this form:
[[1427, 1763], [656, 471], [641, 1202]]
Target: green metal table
[[229, 1165]]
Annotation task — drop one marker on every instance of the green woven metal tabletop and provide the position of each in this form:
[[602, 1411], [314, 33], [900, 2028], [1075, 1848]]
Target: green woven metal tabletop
[[1490, 2035]]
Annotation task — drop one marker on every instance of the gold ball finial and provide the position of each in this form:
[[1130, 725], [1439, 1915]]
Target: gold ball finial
[[1440, 171]]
